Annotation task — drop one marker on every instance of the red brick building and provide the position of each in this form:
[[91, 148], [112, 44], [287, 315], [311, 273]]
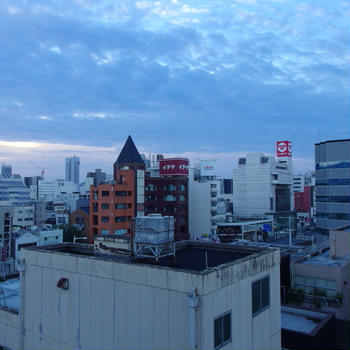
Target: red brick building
[[114, 205], [303, 200], [169, 196]]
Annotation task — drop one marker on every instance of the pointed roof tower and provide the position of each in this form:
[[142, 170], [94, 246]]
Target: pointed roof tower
[[129, 154]]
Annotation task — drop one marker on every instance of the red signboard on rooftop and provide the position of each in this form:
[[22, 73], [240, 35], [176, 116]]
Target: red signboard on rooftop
[[284, 148], [173, 166]]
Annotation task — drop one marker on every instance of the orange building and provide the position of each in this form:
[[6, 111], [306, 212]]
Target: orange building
[[113, 205]]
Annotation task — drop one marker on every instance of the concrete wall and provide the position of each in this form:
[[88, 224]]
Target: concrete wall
[[9, 330], [254, 183], [199, 208], [113, 305], [339, 274]]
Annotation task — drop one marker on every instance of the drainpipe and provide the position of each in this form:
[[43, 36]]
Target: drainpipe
[[22, 268], [192, 302]]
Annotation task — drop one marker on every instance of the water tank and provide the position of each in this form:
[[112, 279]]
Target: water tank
[[154, 229]]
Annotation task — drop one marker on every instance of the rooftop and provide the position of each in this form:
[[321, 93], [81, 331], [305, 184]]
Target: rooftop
[[301, 320], [190, 256], [323, 259]]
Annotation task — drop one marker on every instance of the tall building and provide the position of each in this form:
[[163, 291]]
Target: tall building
[[114, 205], [166, 192], [262, 184], [204, 188], [98, 176], [332, 160], [72, 169]]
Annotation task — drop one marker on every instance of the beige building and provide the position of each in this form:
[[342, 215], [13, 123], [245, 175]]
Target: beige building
[[324, 277], [210, 296]]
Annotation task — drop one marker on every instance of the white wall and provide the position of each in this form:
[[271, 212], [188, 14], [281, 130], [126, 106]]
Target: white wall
[[113, 305], [23, 216], [254, 184], [9, 331]]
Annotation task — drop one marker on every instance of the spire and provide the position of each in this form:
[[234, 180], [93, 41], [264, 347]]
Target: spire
[[129, 154]]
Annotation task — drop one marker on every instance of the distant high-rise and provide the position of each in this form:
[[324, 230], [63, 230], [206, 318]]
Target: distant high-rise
[[72, 169], [332, 160], [98, 176], [6, 170]]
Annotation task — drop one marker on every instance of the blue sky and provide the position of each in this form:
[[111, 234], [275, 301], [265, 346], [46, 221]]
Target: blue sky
[[203, 79]]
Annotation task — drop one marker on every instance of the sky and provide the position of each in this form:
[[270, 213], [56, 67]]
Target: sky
[[200, 79]]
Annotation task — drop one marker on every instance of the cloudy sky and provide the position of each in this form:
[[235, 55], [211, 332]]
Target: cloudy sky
[[204, 79]]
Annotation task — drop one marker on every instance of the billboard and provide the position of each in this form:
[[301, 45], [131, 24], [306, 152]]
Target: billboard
[[208, 167], [173, 166], [284, 148]]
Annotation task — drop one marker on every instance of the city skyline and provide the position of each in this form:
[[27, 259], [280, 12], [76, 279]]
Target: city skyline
[[200, 80]]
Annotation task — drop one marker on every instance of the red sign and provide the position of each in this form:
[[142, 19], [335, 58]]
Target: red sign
[[173, 166], [284, 148]]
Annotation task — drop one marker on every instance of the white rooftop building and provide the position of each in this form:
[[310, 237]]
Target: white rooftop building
[[262, 184], [209, 296]]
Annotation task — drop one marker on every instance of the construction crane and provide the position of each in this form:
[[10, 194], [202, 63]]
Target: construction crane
[[41, 169]]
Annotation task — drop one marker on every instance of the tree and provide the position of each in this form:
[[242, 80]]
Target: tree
[[69, 232]]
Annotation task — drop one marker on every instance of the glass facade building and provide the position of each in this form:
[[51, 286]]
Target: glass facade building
[[332, 184]]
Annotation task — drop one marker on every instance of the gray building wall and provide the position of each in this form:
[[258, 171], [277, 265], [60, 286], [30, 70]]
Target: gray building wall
[[332, 160], [112, 305], [72, 169]]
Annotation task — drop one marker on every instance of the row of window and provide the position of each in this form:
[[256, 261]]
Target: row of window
[[169, 187], [116, 218], [309, 284], [335, 199], [332, 182], [333, 216], [333, 165], [152, 209], [116, 193], [116, 206], [167, 198], [260, 301]]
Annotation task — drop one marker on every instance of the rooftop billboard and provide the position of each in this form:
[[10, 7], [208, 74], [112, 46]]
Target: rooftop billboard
[[173, 166]]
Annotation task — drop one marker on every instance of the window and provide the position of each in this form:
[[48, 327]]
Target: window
[[151, 187], [104, 206], [120, 218], [120, 193], [104, 219], [169, 198], [105, 193], [182, 198], [222, 330], [120, 206], [260, 295], [182, 187]]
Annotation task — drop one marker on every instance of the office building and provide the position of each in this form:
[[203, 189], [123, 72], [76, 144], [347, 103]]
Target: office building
[[215, 296], [72, 169], [323, 277], [332, 160], [114, 205], [166, 191], [98, 176], [204, 189], [262, 184]]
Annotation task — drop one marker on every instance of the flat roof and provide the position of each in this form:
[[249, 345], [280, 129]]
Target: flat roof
[[301, 320], [328, 141], [323, 259], [244, 223], [191, 256]]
